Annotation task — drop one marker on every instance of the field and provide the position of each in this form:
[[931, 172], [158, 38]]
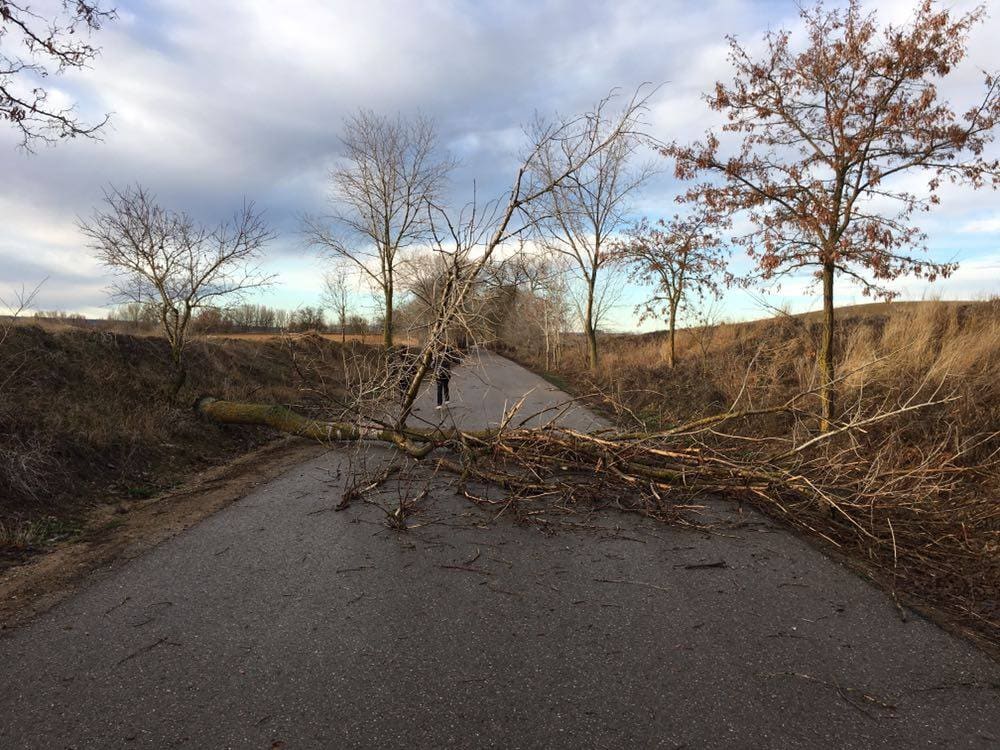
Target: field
[[361, 338]]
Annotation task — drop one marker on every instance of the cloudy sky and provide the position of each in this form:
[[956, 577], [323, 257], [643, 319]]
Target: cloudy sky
[[215, 100]]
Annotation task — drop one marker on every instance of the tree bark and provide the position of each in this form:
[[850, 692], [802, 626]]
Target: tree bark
[[827, 396], [592, 348], [178, 380], [545, 341], [673, 331], [285, 420], [387, 320], [589, 328], [179, 376]]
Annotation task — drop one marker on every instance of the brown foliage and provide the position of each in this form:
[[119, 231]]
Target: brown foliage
[[823, 132], [681, 260]]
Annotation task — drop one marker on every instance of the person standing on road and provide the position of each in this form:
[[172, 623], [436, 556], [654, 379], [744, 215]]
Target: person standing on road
[[447, 358], [403, 367]]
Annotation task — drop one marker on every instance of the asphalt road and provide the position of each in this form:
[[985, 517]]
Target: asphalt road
[[278, 623]]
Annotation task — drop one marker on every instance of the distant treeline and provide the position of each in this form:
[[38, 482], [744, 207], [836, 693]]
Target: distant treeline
[[245, 318]]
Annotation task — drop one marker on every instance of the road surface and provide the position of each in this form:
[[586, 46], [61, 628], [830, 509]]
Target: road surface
[[278, 623]]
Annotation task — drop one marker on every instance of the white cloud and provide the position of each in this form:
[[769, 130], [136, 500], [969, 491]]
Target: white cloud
[[212, 101], [988, 225]]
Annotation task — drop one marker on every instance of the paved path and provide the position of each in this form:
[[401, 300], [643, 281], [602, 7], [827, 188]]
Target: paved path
[[486, 387], [279, 624]]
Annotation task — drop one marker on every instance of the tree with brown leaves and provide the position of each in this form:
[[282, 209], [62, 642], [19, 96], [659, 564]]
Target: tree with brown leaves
[[35, 47], [826, 135], [681, 260]]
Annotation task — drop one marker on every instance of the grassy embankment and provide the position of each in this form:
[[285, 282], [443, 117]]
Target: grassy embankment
[[84, 421]]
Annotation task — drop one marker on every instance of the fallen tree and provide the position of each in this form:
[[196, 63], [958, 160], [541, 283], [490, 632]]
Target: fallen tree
[[915, 525], [678, 459], [283, 419]]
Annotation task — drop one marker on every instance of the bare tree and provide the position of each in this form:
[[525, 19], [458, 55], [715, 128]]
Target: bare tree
[[282, 318], [307, 318], [425, 275], [358, 325], [469, 240], [35, 47], [420, 276], [541, 308], [168, 260], [137, 315], [585, 210], [553, 294], [681, 260], [391, 172], [15, 307], [337, 296], [243, 317], [600, 300], [826, 132]]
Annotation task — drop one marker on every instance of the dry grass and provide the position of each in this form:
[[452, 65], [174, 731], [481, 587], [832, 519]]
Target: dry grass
[[930, 535], [84, 419], [933, 341]]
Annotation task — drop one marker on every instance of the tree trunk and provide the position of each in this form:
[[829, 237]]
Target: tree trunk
[[285, 420], [387, 320], [178, 380], [590, 330], [592, 348], [673, 331], [545, 341], [827, 396], [179, 375]]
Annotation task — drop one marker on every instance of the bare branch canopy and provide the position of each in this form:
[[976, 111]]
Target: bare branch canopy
[[174, 263], [390, 171], [34, 47]]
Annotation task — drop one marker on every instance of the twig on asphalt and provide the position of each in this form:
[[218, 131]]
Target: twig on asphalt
[[700, 566], [632, 583], [467, 569], [112, 609], [145, 649], [844, 692]]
